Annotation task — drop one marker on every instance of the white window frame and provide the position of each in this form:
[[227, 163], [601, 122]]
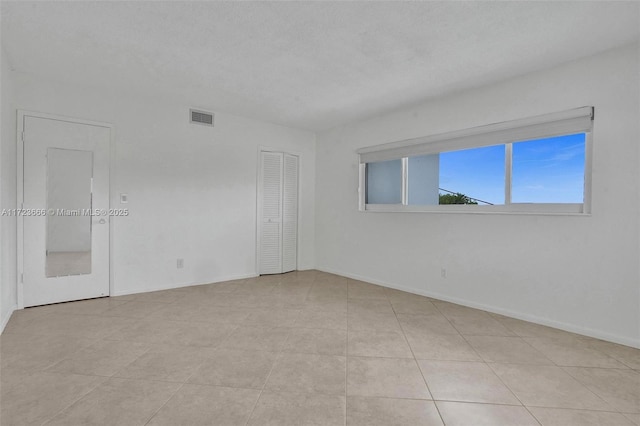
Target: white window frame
[[578, 120]]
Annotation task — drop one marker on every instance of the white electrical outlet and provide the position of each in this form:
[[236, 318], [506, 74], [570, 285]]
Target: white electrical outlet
[[180, 263], [443, 272]]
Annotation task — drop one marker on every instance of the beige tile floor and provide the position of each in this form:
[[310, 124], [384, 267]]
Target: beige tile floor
[[305, 348]]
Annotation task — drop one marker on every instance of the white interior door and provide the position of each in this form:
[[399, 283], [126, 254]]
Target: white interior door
[[271, 235], [66, 203], [278, 215]]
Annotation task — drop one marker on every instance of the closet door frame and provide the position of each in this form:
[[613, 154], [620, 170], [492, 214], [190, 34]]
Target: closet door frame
[[259, 198]]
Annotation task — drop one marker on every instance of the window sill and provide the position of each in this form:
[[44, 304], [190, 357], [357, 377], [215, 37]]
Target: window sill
[[517, 209]]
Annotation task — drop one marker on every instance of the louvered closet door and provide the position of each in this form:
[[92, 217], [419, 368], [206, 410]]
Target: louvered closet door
[[279, 213], [271, 238], [290, 214]]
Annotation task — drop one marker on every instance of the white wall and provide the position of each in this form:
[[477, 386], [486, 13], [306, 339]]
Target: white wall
[[575, 272], [191, 188], [7, 192]]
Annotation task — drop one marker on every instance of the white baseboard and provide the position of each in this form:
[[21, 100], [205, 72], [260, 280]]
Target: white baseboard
[[6, 317], [598, 334], [180, 285]]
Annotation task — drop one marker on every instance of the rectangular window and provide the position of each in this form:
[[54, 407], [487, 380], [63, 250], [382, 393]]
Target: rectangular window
[[536, 165]]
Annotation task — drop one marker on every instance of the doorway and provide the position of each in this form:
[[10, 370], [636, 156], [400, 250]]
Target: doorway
[[278, 185], [64, 217]]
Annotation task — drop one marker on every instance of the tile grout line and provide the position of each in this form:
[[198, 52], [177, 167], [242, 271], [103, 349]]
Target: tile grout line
[[44, 370], [555, 364], [625, 366], [165, 403], [264, 385], [563, 368], [292, 305], [75, 400], [415, 360], [487, 364]]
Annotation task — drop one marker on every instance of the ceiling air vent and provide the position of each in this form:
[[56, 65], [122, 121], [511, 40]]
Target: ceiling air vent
[[201, 117]]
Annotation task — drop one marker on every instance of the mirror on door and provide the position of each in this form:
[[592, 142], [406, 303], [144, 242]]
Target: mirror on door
[[68, 247]]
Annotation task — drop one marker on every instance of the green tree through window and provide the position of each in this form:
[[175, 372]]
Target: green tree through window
[[456, 198]]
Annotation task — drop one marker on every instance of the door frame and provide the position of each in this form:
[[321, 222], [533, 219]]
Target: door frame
[[20, 129], [259, 194]]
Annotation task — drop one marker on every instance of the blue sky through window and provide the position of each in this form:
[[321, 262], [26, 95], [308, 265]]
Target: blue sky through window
[[547, 170], [476, 173]]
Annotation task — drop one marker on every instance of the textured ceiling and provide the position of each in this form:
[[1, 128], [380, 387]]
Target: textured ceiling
[[311, 65]]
